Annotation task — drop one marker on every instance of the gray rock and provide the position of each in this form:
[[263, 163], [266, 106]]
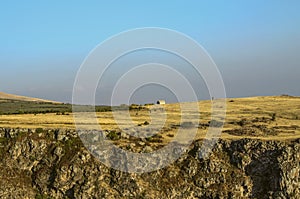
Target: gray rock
[[52, 165]]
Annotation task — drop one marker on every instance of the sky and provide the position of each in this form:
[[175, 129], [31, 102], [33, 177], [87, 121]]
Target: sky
[[255, 44]]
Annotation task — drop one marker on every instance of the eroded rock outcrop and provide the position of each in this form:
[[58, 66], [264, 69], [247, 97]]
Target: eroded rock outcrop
[[55, 164]]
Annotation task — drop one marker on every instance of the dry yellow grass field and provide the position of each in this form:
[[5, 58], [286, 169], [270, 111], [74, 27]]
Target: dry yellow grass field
[[5, 96], [275, 118]]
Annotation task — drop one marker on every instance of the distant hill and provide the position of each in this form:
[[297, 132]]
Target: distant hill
[[6, 96], [15, 104]]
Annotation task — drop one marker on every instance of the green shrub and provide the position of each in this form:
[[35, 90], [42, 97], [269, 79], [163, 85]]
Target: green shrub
[[42, 196], [273, 116], [113, 135], [39, 130]]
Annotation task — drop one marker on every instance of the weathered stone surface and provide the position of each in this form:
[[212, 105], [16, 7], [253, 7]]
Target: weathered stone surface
[[55, 164]]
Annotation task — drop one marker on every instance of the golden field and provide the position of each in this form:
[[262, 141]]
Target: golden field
[[275, 117]]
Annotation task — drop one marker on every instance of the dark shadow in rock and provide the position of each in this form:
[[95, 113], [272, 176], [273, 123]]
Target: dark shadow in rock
[[70, 193], [265, 174]]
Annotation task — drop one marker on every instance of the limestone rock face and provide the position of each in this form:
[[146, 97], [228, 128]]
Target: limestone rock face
[[55, 164]]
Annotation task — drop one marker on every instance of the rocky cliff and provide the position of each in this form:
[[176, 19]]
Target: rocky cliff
[[54, 164]]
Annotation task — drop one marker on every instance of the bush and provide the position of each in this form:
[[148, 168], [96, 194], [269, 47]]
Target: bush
[[216, 124], [273, 116], [187, 124], [149, 104], [157, 139], [113, 135], [242, 122], [39, 130]]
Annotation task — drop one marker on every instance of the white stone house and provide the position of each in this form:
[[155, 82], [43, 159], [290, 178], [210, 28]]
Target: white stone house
[[161, 102]]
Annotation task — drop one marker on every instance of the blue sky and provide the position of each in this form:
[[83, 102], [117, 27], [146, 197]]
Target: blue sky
[[255, 43]]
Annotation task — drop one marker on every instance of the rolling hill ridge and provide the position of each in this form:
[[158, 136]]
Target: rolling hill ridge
[[6, 96]]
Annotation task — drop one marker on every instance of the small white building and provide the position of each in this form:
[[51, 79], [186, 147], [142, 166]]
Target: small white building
[[161, 102]]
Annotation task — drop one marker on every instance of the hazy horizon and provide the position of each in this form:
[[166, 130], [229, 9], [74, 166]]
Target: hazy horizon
[[255, 44]]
